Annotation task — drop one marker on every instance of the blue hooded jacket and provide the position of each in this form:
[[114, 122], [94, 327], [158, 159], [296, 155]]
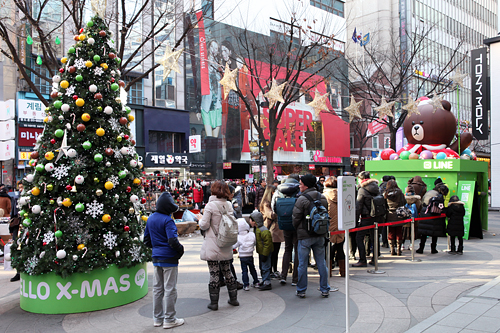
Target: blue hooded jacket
[[162, 232]]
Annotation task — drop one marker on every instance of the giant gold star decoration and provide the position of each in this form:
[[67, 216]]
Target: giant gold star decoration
[[458, 79], [229, 80], [319, 102], [436, 102], [99, 7], [353, 109], [384, 109], [275, 93], [411, 107], [169, 61]]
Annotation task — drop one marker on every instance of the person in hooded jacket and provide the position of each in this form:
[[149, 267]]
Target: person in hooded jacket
[[218, 258], [161, 234], [395, 199], [245, 246], [414, 203], [384, 230], [271, 222], [368, 188], [434, 227], [237, 202], [419, 186], [264, 242], [337, 241], [455, 228]]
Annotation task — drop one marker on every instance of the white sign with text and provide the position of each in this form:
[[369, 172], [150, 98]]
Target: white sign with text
[[194, 143], [346, 202]]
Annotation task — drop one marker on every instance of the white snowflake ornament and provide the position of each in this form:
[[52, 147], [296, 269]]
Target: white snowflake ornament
[[61, 171], [79, 63], [114, 179], [95, 209], [48, 237], [98, 71], [109, 240], [30, 264], [70, 91], [135, 252]]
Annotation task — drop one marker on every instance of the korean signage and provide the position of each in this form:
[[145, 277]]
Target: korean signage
[[195, 143], [312, 167], [27, 136], [165, 159], [7, 110], [30, 110], [7, 150], [226, 165], [7, 130], [24, 155], [480, 93]]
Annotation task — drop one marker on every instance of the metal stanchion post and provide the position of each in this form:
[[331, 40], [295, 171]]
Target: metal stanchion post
[[328, 261], [346, 253], [413, 241], [375, 253]]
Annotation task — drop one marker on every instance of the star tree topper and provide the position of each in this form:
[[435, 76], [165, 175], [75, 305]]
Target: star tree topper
[[275, 93], [411, 107], [436, 102], [384, 109], [99, 7], [169, 61], [458, 79], [319, 102], [353, 109], [229, 80]]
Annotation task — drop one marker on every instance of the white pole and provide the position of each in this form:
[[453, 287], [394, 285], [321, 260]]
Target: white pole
[[346, 253]]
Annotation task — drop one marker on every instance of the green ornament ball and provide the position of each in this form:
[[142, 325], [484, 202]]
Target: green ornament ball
[[79, 44], [40, 167], [80, 207], [71, 50], [79, 78], [96, 180], [58, 233], [119, 138], [52, 201], [22, 212], [26, 222], [118, 60], [128, 109], [405, 155], [50, 187], [97, 58], [122, 174], [115, 87], [86, 145], [90, 24], [59, 133], [99, 108], [57, 104], [98, 157]]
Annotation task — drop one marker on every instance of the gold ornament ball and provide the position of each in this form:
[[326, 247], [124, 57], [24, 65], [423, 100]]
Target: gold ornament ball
[[98, 192], [130, 117], [85, 117], [64, 60], [80, 247], [100, 131], [67, 202], [25, 215], [80, 102], [104, 66], [64, 84], [49, 155], [88, 63], [137, 181], [106, 218], [81, 37], [35, 191], [144, 218], [108, 185], [131, 210], [46, 119]]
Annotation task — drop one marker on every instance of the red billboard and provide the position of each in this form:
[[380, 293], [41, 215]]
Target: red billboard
[[27, 136]]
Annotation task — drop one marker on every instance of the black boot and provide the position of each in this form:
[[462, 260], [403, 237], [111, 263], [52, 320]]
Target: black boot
[[232, 290], [433, 248], [214, 298], [16, 277], [399, 252], [421, 247]]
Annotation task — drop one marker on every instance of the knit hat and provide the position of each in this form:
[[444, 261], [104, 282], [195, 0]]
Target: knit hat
[[409, 190], [386, 178], [454, 198], [308, 180], [364, 175], [438, 181]]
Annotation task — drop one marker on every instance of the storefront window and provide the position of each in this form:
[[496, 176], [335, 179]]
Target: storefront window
[[165, 142], [43, 86], [135, 93]]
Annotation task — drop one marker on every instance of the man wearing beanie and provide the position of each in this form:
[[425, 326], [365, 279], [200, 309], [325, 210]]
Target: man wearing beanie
[[306, 242]]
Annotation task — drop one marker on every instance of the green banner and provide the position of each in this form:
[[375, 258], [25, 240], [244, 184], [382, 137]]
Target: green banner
[[97, 290], [466, 195]]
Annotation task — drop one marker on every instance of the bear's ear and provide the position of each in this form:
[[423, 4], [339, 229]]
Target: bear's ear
[[446, 105]]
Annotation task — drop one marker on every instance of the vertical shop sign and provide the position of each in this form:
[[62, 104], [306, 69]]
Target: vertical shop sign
[[194, 143], [480, 93], [205, 88], [466, 195]]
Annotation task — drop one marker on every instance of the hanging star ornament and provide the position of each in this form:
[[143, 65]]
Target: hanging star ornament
[[436, 102], [63, 150], [411, 107], [99, 7], [353, 109], [170, 61], [275, 93], [229, 80], [319, 102], [384, 109], [458, 79]]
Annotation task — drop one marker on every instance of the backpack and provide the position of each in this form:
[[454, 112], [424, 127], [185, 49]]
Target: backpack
[[318, 220], [284, 211], [436, 205], [403, 212], [378, 206], [413, 209], [227, 234]]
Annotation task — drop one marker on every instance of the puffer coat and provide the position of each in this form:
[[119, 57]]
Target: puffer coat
[[434, 227], [212, 216], [455, 213], [395, 199], [271, 223], [367, 190], [331, 196]]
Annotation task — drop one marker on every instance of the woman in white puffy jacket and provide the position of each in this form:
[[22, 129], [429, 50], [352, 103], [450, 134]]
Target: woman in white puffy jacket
[[245, 247]]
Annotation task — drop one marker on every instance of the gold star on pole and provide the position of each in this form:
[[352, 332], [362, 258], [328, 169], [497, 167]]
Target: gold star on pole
[[229, 80], [436, 102], [458, 79], [274, 94], [411, 107], [384, 109], [353, 109], [169, 61], [99, 7], [319, 102]]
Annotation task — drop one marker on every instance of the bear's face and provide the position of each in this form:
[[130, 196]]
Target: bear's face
[[430, 127]]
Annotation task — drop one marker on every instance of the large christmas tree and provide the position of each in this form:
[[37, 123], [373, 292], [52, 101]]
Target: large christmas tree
[[82, 206]]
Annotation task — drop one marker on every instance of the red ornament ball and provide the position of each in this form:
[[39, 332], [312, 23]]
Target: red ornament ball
[[126, 137], [143, 200], [44, 243], [386, 154], [54, 94], [108, 151], [80, 127], [69, 187], [111, 55], [56, 262], [123, 120], [129, 189], [81, 30], [71, 69], [75, 97], [122, 84], [61, 70], [126, 228], [132, 142], [53, 141], [112, 80], [98, 96], [102, 33]]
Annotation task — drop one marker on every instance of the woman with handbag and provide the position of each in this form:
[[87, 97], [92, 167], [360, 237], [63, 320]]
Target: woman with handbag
[[395, 199], [218, 258], [271, 223]]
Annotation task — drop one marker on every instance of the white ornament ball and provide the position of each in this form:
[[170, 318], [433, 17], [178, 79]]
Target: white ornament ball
[[56, 79], [133, 163], [50, 118], [65, 107], [68, 126], [108, 110], [36, 209], [93, 88], [117, 196], [71, 153], [29, 178], [49, 167], [55, 86], [59, 201], [60, 117], [79, 179], [91, 41], [108, 164], [117, 254], [61, 254], [75, 257], [134, 198], [24, 200], [42, 254], [125, 219], [7, 257], [140, 165], [124, 151]]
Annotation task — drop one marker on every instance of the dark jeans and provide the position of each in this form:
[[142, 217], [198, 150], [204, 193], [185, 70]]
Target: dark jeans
[[352, 239], [360, 238], [384, 235], [290, 245], [460, 244], [246, 265], [274, 256]]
